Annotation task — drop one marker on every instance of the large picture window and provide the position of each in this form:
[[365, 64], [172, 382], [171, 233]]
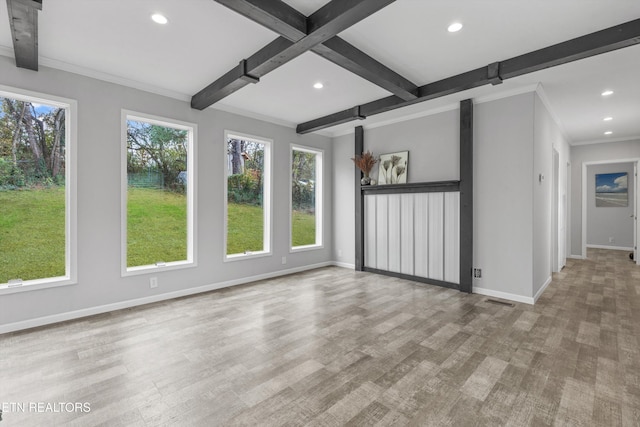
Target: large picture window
[[248, 200], [158, 189], [37, 210], [306, 198]]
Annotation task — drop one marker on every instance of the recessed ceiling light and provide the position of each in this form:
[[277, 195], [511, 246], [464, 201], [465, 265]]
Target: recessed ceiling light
[[608, 119], [607, 93], [608, 132], [455, 27], [318, 85], [159, 19]]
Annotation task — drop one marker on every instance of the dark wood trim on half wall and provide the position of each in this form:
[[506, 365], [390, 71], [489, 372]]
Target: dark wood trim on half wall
[[426, 280], [466, 196], [464, 186], [359, 196]]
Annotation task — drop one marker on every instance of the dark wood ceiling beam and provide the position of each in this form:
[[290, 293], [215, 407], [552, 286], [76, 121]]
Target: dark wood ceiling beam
[[344, 116], [291, 24], [23, 20], [275, 15], [353, 59], [448, 86], [607, 40], [239, 76], [338, 15], [324, 24]]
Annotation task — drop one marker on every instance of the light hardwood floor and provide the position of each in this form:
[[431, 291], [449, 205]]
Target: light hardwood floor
[[335, 347]]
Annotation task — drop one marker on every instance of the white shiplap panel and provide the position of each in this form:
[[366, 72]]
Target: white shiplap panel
[[370, 231], [436, 236], [452, 237], [421, 234], [406, 233], [382, 232], [394, 232]]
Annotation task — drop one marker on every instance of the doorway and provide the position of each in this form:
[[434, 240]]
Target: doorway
[[629, 218]]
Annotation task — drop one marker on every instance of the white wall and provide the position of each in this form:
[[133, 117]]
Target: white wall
[[592, 153], [99, 280], [604, 223]]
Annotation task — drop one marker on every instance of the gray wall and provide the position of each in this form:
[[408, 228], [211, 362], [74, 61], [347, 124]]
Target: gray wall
[[609, 222], [503, 195], [432, 142], [592, 153], [434, 151], [344, 200], [99, 145], [547, 136], [513, 140]]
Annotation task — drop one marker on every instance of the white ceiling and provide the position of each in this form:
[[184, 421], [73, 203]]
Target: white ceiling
[[116, 40]]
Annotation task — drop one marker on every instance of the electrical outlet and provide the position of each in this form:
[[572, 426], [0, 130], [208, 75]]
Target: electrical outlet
[[477, 273], [339, 253], [284, 260], [611, 240], [153, 282]]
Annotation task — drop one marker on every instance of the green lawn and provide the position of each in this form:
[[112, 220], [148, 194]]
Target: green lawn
[[244, 228], [156, 227], [303, 229], [32, 234], [32, 230]]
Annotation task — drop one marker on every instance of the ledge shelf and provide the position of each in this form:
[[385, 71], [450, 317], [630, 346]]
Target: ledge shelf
[[412, 187]]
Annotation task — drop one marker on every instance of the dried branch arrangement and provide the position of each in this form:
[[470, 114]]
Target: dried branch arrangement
[[365, 162]]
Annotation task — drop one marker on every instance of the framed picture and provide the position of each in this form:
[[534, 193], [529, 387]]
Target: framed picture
[[393, 168], [611, 190]]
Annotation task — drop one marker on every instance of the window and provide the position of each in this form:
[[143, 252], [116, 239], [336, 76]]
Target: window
[[158, 193], [306, 198], [37, 192], [248, 196]]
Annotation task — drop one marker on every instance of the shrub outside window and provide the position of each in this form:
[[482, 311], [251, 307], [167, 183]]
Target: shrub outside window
[[247, 196], [158, 189], [306, 198], [37, 191]]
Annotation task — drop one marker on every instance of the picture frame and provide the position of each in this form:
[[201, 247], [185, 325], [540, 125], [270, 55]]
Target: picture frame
[[611, 190], [393, 168]]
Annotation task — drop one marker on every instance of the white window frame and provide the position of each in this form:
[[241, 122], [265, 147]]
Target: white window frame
[[319, 186], [267, 196], [192, 132], [71, 218]]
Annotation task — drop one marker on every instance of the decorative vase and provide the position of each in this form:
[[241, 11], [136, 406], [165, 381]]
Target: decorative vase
[[365, 180]]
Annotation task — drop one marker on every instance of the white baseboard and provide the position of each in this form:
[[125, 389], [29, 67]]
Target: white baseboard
[[575, 256], [71, 315], [344, 265], [503, 295], [546, 283], [613, 248]]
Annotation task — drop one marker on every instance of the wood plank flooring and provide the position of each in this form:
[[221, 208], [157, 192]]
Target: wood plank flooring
[[334, 347]]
